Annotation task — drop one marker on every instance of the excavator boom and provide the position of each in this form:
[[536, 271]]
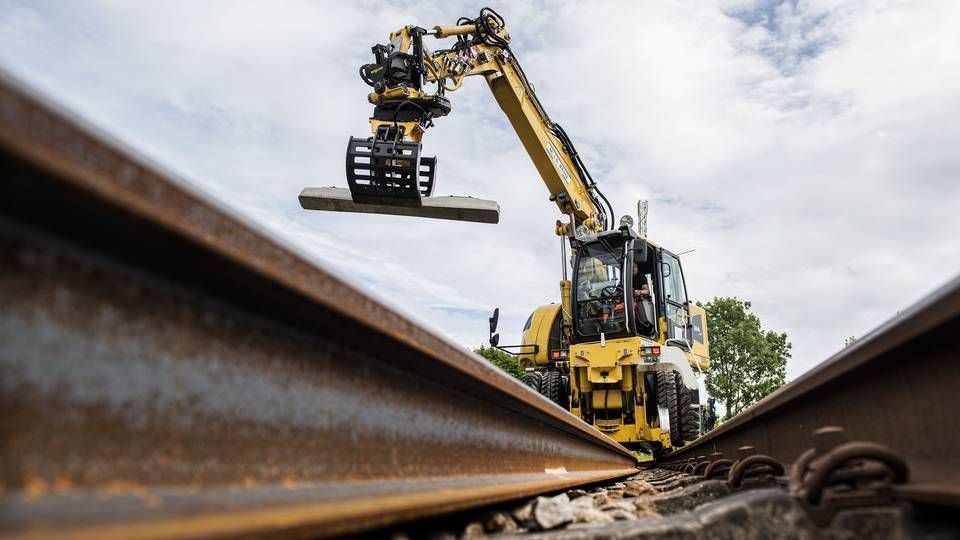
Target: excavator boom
[[387, 171]]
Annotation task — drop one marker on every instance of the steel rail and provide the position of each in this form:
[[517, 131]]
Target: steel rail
[[168, 369], [895, 386]]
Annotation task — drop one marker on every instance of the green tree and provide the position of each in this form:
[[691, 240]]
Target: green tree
[[746, 362], [504, 361]]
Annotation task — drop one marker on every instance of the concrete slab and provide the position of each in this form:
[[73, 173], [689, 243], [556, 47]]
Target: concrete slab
[[454, 208]]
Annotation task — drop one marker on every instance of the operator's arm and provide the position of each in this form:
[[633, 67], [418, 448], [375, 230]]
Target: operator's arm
[[640, 286]]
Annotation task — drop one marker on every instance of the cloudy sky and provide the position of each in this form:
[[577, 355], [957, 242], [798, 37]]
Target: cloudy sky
[[809, 152]]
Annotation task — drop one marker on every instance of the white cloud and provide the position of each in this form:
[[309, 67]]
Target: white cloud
[[806, 150]]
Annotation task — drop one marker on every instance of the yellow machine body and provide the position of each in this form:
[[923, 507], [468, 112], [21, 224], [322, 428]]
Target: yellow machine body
[[610, 376], [701, 339], [609, 373], [541, 337], [410, 84]]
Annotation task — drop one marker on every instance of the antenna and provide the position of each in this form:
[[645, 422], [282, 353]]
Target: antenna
[[642, 218]]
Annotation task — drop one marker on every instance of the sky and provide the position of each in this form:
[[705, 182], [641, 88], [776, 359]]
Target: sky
[[808, 152]]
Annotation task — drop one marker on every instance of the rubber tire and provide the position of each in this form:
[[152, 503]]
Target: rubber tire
[[689, 415], [533, 379], [552, 387], [667, 398]]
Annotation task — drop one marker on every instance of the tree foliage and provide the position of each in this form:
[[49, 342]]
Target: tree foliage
[[746, 362], [504, 361]]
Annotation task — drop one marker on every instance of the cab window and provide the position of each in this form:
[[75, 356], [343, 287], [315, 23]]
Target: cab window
[[675, 295], [673, 280], [600, 305]]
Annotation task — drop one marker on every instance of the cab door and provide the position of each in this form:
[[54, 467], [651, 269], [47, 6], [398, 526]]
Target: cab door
[[674, 297], [698, 331]]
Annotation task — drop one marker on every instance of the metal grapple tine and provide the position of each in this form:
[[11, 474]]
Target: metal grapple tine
[[428, 175], [388, 172]]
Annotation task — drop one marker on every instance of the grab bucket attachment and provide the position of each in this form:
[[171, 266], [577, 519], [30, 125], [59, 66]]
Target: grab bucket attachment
[[389, 172], [390, 177]]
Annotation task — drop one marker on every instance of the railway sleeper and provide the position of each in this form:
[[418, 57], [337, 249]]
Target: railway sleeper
[[702, 509], [678, 483], [837, 489], [762, 513]]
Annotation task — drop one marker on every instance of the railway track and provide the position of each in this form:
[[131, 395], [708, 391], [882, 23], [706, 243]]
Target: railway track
[[169, 370], [865, 445], [889, 398]]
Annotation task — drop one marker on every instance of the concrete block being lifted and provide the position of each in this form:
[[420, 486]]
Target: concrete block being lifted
[[455, 208]]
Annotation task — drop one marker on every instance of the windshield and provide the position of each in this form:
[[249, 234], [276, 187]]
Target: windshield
[[599, 290]]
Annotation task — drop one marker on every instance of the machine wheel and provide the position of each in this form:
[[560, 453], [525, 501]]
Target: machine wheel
[[689, 412], [667, 398], [552, 387], [532, 379]]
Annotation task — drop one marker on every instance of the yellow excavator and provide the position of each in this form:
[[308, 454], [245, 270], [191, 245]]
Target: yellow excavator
[[623, 347]]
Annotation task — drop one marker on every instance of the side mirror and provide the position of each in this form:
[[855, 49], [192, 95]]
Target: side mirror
[[640, 251], [494, 320], [494, 340]]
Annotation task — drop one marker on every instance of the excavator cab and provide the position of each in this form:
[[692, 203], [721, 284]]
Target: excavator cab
[[604, 303], [630, 360]]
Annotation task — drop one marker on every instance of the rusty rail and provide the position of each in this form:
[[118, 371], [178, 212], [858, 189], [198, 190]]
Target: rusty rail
[[167, 369], [896, 387]]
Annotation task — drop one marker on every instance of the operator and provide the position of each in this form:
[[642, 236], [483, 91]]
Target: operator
[[641, 292], [640, 287]]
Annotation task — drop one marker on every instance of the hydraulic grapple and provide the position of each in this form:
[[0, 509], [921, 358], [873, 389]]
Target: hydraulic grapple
[[387, 172]]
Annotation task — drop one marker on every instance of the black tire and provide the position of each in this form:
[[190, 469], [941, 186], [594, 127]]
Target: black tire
[[667, 398], [552, 387], [532, 379], [689, 415]]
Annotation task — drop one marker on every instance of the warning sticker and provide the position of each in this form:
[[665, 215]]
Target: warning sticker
[[555, 158]]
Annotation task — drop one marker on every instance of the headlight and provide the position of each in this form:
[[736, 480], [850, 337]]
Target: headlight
[[583, 233]]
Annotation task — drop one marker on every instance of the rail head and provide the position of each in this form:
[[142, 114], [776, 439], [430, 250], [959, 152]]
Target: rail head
[[200, 357], [81, 156], [890, 387]]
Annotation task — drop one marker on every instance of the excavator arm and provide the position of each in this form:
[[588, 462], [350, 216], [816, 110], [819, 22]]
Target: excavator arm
[[410, 84]]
